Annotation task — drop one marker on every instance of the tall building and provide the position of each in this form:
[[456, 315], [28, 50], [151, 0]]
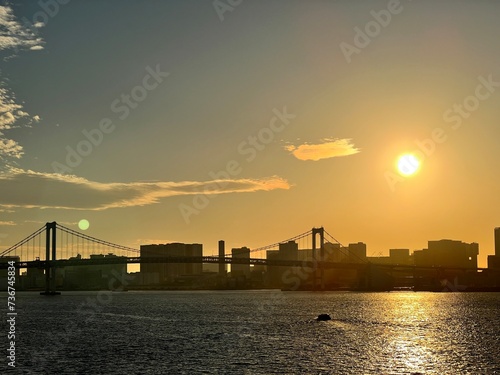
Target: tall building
[[494, 260], [110, 272], [497, 242], [153, 273], [222, 255], [288, 251], [273, 272], [334, 253], [357, 252], [448, 253], [399, 256], [240, 269], [35, 278], [97, 276]]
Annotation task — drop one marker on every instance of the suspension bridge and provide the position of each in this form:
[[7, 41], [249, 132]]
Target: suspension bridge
[[55, 246]]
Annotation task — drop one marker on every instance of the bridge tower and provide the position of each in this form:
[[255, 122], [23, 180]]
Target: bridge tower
[[50, 271], [318, 260]]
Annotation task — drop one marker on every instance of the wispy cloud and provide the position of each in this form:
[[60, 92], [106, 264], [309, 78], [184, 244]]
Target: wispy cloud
[[9, 147], [329, 148], [10, 111], [12, 116], [69, 223], [7, 223], [15, 36], [29, 189]]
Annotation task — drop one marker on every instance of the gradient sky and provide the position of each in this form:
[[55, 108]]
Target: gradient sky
[[232, 73]]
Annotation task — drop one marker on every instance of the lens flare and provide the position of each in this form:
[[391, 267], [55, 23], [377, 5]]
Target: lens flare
[[83, 224]]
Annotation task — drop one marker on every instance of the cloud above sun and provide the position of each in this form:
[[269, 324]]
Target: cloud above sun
[[328, 148], [29, 189]]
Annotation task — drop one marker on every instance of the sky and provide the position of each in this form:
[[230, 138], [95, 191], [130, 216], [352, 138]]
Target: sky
[[251, 121]]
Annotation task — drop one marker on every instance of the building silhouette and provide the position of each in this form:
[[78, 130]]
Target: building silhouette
[[396, 256], [400, 256], [286, 277], [335, 253], [357, 252], [164, 273], [34, 278], [494, 260], [286, 251], [222, 254], [81, 277], [273, 273], [497, 241], [448, 253], [239, 270], [98, 276]]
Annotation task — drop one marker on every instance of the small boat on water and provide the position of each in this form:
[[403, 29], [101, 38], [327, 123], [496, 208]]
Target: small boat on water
[[323, 317]]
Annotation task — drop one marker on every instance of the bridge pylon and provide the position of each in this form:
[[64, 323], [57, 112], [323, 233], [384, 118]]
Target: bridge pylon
[[50, 269], [318, 260]]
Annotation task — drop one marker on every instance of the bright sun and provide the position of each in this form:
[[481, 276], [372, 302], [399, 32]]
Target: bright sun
[[408, 164]]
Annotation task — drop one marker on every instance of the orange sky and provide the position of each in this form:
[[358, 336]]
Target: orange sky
[[182, 125]]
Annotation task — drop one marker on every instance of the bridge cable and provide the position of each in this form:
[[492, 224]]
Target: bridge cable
[[96, 240], [278, 243], [23, 241], [342, 246]]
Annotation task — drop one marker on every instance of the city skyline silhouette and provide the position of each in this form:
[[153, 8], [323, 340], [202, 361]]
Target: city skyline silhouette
[[249, 187], [153, 136]]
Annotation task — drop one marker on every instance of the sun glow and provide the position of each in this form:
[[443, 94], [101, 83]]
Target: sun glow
[[408, 164]]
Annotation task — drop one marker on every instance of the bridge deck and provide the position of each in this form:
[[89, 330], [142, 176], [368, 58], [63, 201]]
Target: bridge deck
[[227, 260]]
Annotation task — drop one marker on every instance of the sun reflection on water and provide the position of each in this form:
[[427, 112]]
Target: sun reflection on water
[[413, 344]]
